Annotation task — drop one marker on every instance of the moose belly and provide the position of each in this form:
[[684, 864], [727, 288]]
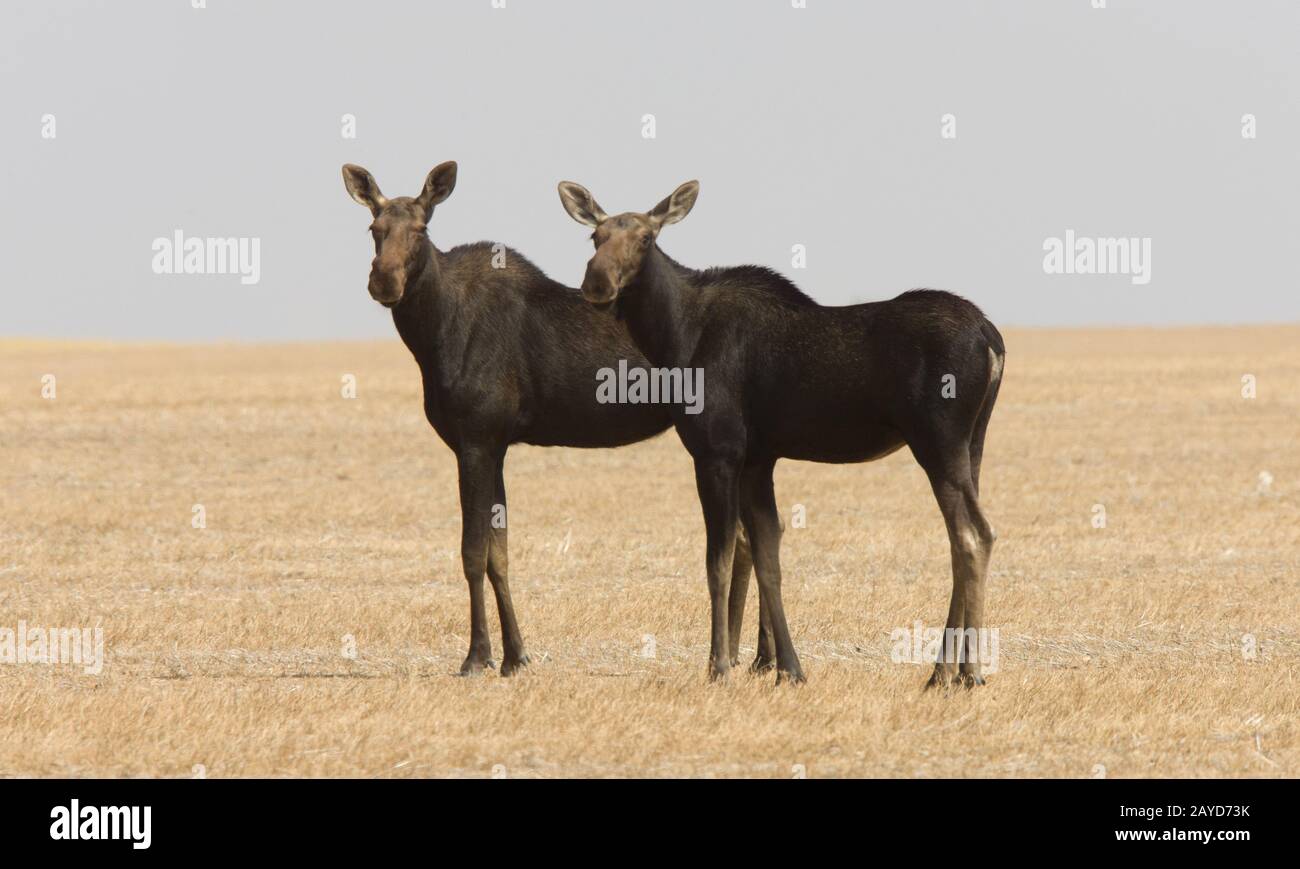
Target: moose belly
[[837, 442], [587, 423]]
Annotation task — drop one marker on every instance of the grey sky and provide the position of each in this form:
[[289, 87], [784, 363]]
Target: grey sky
[[816, 126]]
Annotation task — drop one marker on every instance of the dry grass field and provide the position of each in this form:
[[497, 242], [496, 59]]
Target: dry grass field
[[1121, 648]]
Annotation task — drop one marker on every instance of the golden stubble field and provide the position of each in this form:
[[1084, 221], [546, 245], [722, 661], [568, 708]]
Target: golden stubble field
[[1121, 648]]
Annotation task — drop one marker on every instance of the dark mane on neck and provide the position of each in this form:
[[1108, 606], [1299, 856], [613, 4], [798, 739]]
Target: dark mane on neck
[[514, 258], [518, 268], [755, 280]]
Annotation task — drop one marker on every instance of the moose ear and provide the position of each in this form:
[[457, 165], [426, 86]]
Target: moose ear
[[677, 206], [580, 204], [362, 187], [437, 187]]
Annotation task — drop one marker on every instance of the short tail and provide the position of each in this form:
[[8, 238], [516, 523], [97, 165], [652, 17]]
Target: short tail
[[997, 353], [994, 337]]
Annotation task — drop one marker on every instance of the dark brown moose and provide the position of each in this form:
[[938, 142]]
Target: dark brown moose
[[786, 377], [507, 355]]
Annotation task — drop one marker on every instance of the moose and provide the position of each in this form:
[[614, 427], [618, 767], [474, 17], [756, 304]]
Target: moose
[[790, 378], [506, 356]]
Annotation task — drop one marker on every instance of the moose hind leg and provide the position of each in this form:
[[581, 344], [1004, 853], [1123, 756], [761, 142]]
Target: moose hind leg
[[765, 658], [741, 565], [763, 522], [970, 539], [977, 547]]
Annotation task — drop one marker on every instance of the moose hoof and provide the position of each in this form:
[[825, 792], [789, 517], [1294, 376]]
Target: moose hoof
[[969, 680], [762, 665], [793, 676], [510, 667], [941, 678], [718, 673], [475, 666]]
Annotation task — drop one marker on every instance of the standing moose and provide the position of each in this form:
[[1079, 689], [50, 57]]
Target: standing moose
[[787, 377], [507, 355]]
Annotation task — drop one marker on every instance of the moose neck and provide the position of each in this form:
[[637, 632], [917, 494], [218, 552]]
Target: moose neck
[[426, 311], [655, 306]]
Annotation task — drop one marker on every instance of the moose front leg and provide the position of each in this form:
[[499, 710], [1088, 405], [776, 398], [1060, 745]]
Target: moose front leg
[[476, 473], [717, 481], [514, 657]]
